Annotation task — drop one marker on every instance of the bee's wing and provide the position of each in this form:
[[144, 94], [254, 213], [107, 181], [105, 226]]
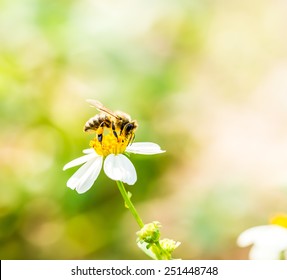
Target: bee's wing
[[101, 107], [95, 103]]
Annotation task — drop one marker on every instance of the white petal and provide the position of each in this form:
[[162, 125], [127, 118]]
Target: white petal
[[88, 151], [80, 160], [268, 241], [264, 253], [248, 236], [120, 168], [149, 252], [269, 235], [144, 148], [86, 175]]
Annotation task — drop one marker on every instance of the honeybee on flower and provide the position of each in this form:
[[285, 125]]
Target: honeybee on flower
[[115, 132], [122, 126]]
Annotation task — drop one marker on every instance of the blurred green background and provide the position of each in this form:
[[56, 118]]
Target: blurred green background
[[206, 80]]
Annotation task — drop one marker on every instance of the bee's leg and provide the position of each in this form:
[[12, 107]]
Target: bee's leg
[[133, 136], [114, 130], [130, 138], [100, 132]]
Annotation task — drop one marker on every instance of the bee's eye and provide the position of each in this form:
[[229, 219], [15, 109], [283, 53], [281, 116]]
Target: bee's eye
[[129, 127]]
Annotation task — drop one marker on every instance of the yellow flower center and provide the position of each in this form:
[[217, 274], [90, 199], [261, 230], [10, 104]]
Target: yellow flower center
[[110, 144], [280, 220]]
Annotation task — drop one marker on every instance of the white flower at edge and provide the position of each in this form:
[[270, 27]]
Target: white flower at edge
[[269, 242], [117, 167]]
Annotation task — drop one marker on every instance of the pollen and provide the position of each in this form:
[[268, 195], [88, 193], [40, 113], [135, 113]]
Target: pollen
[[110, 144], [280, 220]]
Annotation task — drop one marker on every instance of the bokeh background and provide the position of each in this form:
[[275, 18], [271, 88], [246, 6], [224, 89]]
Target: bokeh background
[[207, 80]]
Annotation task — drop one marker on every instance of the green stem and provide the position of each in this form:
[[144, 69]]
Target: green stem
[[162, 254], [129, 203], [159, 252]]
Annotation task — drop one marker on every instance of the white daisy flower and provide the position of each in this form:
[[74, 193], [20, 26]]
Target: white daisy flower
[[269, 241], [116, 165]]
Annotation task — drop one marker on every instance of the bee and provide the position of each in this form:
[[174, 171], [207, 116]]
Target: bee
[[120, 122]]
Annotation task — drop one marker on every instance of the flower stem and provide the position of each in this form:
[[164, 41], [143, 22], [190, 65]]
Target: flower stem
[[129, 203], [161, 255]]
